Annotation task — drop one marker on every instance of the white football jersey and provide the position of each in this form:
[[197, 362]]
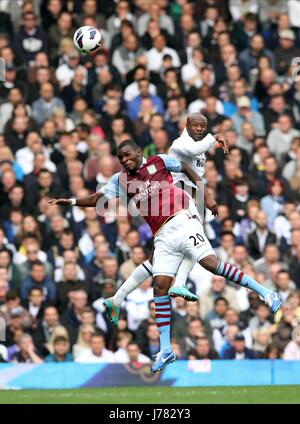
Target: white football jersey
[[191, 152]]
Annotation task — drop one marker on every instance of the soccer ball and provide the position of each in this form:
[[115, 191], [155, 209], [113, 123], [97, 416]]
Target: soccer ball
[[87, 39]]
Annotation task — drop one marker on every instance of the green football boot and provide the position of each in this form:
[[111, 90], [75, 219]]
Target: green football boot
[[183, 292], [112, 311]]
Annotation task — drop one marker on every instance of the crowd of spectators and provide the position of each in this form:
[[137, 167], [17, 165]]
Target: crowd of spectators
[[62, 116]]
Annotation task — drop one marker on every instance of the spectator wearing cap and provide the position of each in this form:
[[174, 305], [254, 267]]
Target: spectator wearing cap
[[238, 350], [30, 39], [65, 72], [13, 306], [245, 114], [96, 353], [12, 81], [286, 51]]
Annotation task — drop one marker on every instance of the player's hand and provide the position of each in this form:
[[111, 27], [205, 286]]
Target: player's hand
[[213, 207], [53, 202], [223, 142]]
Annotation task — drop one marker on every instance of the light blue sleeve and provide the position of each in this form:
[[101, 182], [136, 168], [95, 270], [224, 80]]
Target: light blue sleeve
[[172, 164], [111, 189]]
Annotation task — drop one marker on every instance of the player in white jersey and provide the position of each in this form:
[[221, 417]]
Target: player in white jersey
[[190, 147]]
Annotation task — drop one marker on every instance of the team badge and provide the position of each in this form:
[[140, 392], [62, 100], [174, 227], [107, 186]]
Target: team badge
[[151, 169]]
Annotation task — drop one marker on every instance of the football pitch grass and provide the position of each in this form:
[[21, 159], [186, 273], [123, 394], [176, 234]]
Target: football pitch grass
[[156, 395]]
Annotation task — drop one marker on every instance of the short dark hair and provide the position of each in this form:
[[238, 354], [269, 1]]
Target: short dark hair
[[130, 143], [36, 263], [35, 288], [222, 299]]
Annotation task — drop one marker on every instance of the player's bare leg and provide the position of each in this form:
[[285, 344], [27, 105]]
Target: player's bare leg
[[165, 356], [232, 273]]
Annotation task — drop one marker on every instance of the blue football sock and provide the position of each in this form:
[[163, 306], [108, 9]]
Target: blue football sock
[[163, 321], [232, 273]]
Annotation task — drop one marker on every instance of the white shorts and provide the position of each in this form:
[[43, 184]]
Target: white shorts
[[181, 237]]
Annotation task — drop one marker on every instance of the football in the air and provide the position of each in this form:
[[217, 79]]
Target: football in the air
[[87, 39]]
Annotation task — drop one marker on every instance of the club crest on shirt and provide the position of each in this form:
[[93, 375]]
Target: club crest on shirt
[[151, 169]]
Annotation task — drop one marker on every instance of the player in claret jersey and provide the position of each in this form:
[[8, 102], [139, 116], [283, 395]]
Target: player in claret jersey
[[177, 231]]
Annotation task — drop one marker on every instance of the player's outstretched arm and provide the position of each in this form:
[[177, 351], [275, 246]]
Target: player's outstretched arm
[[85, 202]]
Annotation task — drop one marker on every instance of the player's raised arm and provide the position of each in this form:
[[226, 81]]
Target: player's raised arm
[[85, 202]]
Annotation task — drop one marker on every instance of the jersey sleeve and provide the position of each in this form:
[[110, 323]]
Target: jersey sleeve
[[111, 189], [171, 164], [193, 149]]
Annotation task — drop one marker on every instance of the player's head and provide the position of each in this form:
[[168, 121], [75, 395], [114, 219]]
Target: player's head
[[196, 125], [129, 155]]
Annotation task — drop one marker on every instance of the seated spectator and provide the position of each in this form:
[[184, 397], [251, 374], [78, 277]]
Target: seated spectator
[[30, 38], [137, 304], [71, 317], [279, 139], [218, 289], [259, 238], [44, 106], [203, 350], [27, 352], [239, 349], [37, 277], [65, 72], [158, 51], [135, 104], [261, 340], [292, 350], [44, 330], [85, 333], [245, 114], [69, 282], [96, 353], [61, 351], [216, 316]]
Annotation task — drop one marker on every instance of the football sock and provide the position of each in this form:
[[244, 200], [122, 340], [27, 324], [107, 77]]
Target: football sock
[[232, 273], [163, 321], [183, 271], [137, 277]]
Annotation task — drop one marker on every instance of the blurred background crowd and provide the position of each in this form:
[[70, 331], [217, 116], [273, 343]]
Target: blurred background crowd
[[62, 116]]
